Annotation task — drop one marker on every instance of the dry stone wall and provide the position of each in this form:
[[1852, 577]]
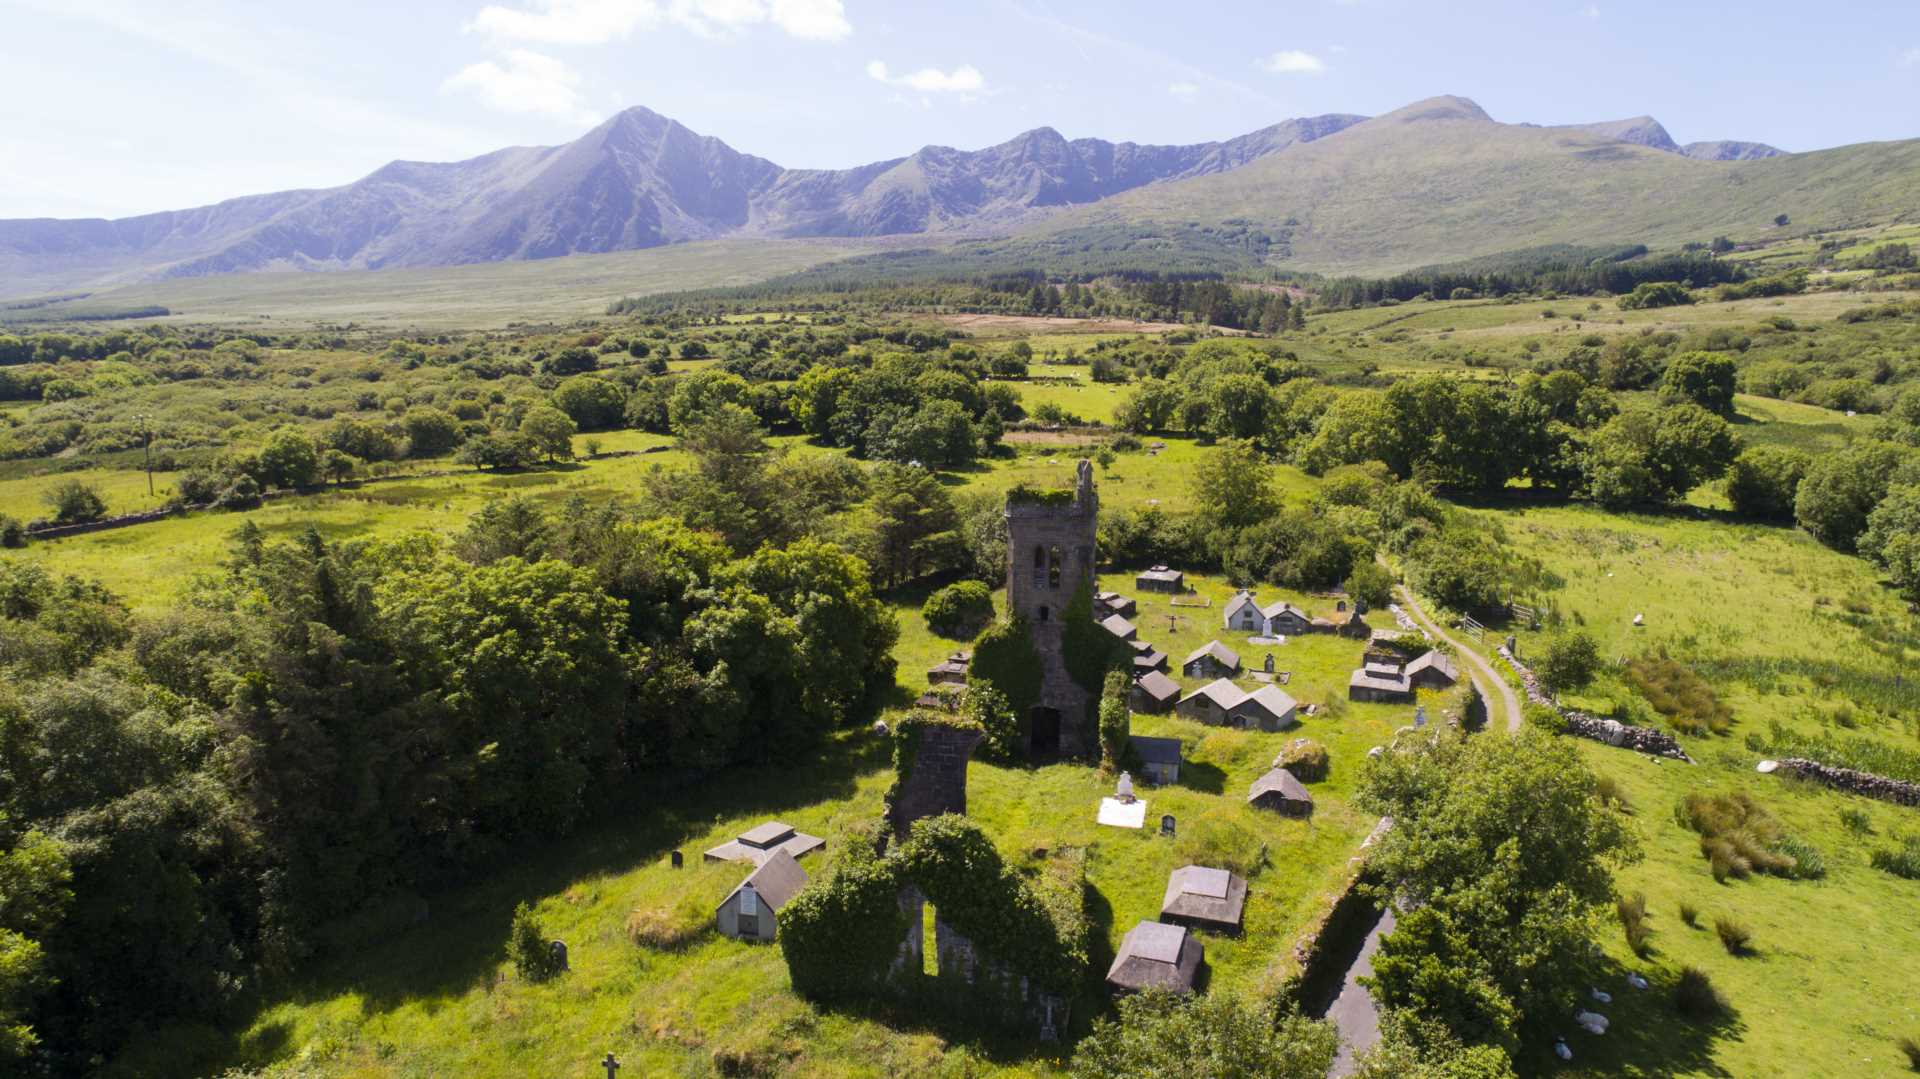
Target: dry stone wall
[[1581, 725], [1896, 791]]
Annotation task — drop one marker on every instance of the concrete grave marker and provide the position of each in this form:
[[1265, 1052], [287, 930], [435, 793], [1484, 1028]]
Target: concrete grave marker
[[558, 949], [1166, 825]]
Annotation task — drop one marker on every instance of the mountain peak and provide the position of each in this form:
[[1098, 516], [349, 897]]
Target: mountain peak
[[1639, 130], [1444, 107]]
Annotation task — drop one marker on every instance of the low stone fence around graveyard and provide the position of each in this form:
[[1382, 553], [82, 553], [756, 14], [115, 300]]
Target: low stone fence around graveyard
[[1322, 949], [1581, 725], [1896, 791]]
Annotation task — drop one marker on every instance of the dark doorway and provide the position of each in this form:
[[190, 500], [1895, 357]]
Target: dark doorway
[[1043, 732]]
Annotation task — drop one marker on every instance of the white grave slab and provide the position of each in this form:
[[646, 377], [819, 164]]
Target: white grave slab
[[1118, 814]]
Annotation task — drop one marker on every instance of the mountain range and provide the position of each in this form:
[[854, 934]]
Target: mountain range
[[642, 180]]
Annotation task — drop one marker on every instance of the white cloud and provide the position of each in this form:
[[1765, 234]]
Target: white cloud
[[1591, 11], [567, 22], [965, 79], [1910, 58], [1337, 50], [1184, 91], [524, 81], [813, 20], [1294, 62], [596, 22]]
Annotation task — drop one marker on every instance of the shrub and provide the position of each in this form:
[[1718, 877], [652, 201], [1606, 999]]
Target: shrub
[[1735, 937], [1738, 836], [241, 494], [1633, 922], [1610, 793], [1568, 662], [528, 947], [1911, 1047], [959, 610], [1808, 864], [1690, 914], [1856, 821], [1902, 861], [1651, 294], [1678, 693], [75, 502], [1694, 995], [1545, 718], [13, 534], [199, 487], [1305, 758]]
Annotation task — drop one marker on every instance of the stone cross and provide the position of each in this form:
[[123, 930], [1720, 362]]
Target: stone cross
[[612, 1064], [1269, 662], [1124, 792], [1420, 716]]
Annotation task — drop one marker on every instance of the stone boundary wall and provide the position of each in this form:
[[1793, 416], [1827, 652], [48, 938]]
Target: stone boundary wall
[[1315, 947], [125, 520], [1581, 725], [1896, 791]]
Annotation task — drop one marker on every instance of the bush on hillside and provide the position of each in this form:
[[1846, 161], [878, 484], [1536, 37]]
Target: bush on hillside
[[1902, 861], [1763, 481], [1739, 837], [959, 610], [1651, 294], [13, 534], [75, 502], [1734, 936], [529, 948]]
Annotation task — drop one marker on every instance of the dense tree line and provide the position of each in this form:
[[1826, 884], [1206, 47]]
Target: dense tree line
[[184, 798], [1578, 271]]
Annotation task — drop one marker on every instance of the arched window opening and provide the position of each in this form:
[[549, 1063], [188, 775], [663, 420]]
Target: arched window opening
[[1044, 612], [1053, 568]]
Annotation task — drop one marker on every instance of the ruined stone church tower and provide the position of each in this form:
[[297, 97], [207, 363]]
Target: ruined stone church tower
[[1050, 554]]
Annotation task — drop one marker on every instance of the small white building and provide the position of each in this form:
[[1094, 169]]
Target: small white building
[[751, 911]]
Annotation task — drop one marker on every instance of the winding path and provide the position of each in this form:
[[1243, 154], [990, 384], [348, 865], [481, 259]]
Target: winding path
[[1488, 680]]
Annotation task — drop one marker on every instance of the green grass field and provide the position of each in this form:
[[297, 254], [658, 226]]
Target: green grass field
[[442, 1000], [1832, 954]]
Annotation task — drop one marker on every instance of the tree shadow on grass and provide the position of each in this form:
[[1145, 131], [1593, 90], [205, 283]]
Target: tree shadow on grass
[[456, 940], [1203, 777], [1647, 1035]]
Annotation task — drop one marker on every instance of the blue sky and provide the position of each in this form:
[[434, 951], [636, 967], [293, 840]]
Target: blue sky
[[114, 107]]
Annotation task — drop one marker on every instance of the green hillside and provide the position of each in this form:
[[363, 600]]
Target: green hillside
[[1439, 181], [483, 296]]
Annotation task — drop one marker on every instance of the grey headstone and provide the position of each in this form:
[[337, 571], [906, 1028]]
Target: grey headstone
[[1420, 716], [1166, 824], [678, 859], [558, 949], [1513, 648], [1269, 662]]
